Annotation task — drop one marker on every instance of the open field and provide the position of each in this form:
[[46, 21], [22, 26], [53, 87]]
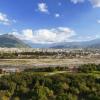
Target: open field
[[27, 58], [47, 62]]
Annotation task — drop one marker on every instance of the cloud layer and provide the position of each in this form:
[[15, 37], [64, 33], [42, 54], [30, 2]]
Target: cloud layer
[[54, 35]]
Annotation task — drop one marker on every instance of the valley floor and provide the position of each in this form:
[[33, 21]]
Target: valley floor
[[47, 62]]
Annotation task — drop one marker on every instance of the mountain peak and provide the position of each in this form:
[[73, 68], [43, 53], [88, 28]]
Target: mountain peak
[[11, 41]]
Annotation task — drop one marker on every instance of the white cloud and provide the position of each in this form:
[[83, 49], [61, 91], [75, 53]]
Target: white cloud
[[98, 21], [57, 15], [77, 1], [54, 35], [5, 20], [42, 7], [95, 3]]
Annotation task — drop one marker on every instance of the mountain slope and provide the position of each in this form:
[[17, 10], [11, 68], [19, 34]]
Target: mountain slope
[[87, 44], [11, 41]]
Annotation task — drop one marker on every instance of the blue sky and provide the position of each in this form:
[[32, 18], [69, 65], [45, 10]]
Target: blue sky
[[50, 21]]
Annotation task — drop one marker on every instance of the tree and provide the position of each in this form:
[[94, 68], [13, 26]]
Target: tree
[[62, 97]]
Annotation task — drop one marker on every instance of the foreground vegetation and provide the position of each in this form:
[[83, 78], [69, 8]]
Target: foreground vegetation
[[28, 85]]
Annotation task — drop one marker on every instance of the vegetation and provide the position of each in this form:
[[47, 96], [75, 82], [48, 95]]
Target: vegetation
[[46, 69], [89, 68], [82, 85], [27, 55], [48, 53]]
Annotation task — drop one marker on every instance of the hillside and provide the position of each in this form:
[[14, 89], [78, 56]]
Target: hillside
[[11, 41]]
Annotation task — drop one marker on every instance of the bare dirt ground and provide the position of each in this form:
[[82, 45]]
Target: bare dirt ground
[[47, 62]]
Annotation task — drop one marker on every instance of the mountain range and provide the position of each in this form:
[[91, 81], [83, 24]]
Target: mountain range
[[83, 44], [12, 41]]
